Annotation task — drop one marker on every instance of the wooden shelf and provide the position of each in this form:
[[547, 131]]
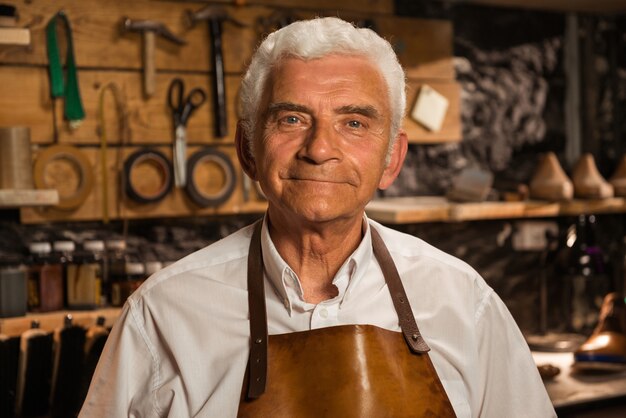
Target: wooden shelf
[[404, 210], [15, 198], [49, 321]]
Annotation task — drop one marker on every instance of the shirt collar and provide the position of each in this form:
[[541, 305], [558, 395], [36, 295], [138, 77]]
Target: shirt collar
[[286, 284]]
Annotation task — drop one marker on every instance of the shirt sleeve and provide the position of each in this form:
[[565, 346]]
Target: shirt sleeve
[[510, 381], [123, 382]]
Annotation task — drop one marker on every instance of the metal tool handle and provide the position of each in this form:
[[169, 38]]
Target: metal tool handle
[[149, 67], [180, 157], [219, 88]]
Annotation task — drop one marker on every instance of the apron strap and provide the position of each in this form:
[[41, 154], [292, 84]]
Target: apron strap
[[408, 325], [257, 363]]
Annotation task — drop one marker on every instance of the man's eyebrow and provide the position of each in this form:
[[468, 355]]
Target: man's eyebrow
[[367, 111], [274, 108]]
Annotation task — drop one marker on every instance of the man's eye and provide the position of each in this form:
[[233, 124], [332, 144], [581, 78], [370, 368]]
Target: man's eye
[[291, 120], [355, 124]]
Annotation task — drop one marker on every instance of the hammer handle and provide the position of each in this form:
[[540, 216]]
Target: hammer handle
[[219, 83], [149, 70]]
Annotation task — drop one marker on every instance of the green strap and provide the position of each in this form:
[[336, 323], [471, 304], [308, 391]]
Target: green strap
[[60, 85]]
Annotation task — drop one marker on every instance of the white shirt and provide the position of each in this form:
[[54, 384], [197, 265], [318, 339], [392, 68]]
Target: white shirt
[[180, 347]]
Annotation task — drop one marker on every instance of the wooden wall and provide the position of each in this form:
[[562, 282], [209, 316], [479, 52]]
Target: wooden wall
[[104, 54]]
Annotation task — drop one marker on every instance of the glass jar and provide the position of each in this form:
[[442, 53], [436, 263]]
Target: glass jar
[[115, 268], [125, 285], [13, 280], [45, 279], [84, 277]]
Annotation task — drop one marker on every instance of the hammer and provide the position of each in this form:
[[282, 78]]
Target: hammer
[[215, 16], [149, 29]]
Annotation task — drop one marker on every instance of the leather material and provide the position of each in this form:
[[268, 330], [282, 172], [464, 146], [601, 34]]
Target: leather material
[[348, 371], [343, 371], [398, 296], [257, 363], [606, 347], [550, 181]]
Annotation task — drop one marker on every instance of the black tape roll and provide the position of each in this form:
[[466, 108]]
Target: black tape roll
[[210, 155], [157, 158]]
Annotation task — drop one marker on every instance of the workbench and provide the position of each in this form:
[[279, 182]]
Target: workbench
[[583, 394]]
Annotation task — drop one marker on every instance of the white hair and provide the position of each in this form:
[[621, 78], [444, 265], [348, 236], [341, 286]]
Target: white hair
[[316, 38]]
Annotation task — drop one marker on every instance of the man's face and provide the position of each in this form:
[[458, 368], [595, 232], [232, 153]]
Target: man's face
[[319, 152]]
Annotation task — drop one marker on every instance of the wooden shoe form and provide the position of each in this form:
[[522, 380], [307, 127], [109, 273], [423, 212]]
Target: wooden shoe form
[[588, 182], [550, 181], [618, 180]]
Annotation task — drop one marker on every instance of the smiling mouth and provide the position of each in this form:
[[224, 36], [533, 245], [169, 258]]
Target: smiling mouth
[[319, 180]]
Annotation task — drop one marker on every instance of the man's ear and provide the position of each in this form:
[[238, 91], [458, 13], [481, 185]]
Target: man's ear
[[396, 160], [244, 153]]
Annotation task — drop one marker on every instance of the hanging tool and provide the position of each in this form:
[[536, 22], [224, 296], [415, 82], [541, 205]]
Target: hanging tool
[[63, 85], [123, 135], [182, 108], [215, 16], [149, 29]]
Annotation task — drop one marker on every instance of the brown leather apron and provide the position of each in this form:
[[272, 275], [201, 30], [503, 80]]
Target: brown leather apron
[[358, 371]]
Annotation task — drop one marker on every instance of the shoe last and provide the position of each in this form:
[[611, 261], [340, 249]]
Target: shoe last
[[549, 181], [588, 182]]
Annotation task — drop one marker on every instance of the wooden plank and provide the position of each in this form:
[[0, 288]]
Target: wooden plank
[[25, 101], [99, 42], [401, 210], [424, 46], [538, 208], [601, 6], [13, 198], [49, 321], [451, 128], [578, 206], [486, 210], [364, 6], [175, 204]]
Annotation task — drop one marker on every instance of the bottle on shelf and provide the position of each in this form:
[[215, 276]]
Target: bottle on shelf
[[124, 285], [152, 267], [45, 279], [84, 277], [64, 250], [587, 279], [12, 286], [116, 258]]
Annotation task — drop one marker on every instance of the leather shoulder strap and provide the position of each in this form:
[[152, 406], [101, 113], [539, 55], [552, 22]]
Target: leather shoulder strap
[[408, 324], [257, 363]]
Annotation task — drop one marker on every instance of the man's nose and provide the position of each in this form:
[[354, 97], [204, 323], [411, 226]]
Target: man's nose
[[321, 144]]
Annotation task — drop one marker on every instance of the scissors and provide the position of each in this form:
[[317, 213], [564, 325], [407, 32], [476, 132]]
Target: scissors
[[182, 108]]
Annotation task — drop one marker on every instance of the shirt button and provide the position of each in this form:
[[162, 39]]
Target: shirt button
[[323, 313]]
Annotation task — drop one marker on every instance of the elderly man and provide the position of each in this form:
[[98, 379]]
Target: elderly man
[[317, 310]]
